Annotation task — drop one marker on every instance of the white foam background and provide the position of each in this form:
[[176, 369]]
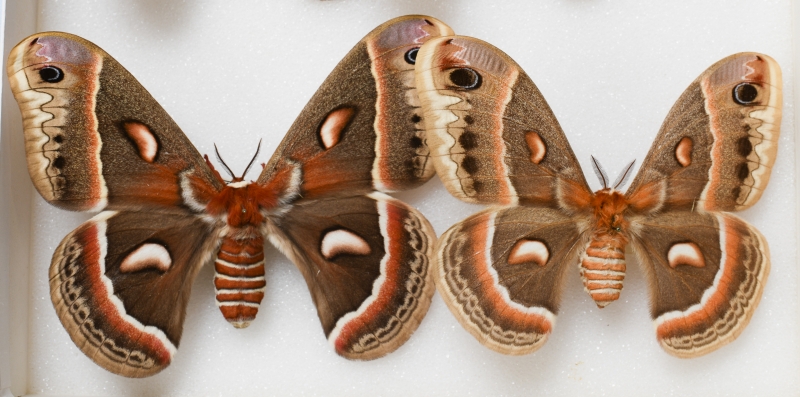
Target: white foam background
[[232, 73]]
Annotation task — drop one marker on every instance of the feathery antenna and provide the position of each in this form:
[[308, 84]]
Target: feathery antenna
[[600, 172], [258, 149], [622, 179], [219, 158]]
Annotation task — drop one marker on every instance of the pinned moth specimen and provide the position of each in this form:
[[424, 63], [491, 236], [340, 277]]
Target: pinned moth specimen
[[494, 140], [96, 140]]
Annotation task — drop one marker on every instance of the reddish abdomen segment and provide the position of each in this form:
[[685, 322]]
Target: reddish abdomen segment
[[603, 268], [239, 281]]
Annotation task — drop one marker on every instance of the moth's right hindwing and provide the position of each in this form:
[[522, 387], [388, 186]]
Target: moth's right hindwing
[[120, 283], [500, 273], [707, 272]]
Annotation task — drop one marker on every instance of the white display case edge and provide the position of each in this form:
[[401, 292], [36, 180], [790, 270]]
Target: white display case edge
[[18, 19]]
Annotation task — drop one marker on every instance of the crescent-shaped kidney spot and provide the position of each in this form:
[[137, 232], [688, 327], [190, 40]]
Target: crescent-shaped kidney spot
[[529, 251], [330, 131], [683, 151], [149, 255], [686, 253], [341, 241], [143, 138], [536, 146]]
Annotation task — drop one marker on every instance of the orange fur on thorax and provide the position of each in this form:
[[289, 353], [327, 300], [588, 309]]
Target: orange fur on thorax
[[609, 206]]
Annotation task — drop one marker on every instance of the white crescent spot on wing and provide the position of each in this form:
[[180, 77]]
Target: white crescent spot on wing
[[529, 251], [148, 255], [536, 145], [331, 129], [144, 139], [341, 241], [685, 254], [683, 152]]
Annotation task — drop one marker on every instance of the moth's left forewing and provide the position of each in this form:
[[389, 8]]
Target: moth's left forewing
[[706, 272], [717, 145], [366, 262], [361, 131]]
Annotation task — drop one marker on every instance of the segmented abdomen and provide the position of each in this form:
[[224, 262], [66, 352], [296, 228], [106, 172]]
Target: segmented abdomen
[[239, 281], [603, 268]]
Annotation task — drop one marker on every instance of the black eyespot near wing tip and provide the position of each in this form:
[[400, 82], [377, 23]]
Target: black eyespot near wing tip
[[466, 78], [745, 93], [411, 56], [51, 74]]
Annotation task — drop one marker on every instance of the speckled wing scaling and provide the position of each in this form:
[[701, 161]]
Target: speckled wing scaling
[[362, 130], [366, 262], [501, 272], [706, 272], [120, 283], [717, 145], [493, 137], [95, 138]]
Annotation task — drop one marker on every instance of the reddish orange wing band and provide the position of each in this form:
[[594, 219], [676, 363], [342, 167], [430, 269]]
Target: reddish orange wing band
[[727, 305]]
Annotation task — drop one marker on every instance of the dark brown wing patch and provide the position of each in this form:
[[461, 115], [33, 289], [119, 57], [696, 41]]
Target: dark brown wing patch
[[123, 301], [365, 260], [707, 272], [500, 273]]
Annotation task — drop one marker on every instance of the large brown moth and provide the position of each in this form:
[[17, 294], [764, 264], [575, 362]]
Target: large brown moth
[[96, 140], [494, 140]]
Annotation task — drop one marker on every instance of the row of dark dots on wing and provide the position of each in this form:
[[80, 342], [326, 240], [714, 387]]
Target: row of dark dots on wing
[[52, 74], [745, 94], [468, 79]]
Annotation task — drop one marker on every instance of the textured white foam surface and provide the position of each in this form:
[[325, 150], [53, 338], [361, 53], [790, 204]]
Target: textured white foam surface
[[232, 73]]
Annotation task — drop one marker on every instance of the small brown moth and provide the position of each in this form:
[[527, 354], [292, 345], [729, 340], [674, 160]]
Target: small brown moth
[[494, 140], [96, 140]]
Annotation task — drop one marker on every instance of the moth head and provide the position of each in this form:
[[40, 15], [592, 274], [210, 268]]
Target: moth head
[[609, 203], [609, 209]]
